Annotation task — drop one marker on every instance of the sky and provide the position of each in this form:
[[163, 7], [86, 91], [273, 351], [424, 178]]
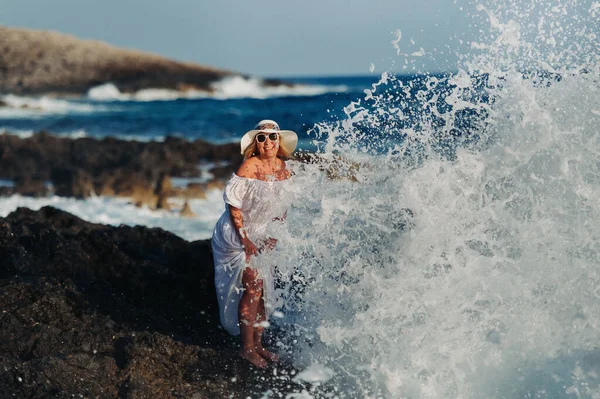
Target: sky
[[266, 38]]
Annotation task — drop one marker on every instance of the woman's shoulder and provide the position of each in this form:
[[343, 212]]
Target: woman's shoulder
[[251, 169], [248, 168], [282, 162]]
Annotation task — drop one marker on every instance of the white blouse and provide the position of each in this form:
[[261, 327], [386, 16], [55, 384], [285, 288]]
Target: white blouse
[[261, 202], [263, 205]]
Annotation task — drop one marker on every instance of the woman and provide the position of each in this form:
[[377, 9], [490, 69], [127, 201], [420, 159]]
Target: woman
[[254, 202]]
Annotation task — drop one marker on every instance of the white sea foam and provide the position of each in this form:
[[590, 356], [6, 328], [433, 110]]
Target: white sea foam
[[76, 134], [110, 92], [30, 107], [116, 211], [233, 87], [17, 132], [490, 289], [81, 133], [314, 374], [240, 87], [107, 91]]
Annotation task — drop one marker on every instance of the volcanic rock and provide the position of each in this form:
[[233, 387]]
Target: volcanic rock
[[88, 310], [80, 167], [31, 187], [196, 190], [187, 210], [70, 182], [164, 189]]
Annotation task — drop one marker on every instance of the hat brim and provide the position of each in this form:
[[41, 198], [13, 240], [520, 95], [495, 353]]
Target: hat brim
[[288, 139]]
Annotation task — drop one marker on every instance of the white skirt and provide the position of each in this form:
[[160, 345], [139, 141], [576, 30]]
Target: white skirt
[[230, 262]]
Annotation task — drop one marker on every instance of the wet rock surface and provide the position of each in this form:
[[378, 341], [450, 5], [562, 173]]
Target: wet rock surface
[[88, 310], [45, 164]]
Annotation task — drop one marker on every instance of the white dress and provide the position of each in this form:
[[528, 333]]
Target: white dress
[[260, 202]]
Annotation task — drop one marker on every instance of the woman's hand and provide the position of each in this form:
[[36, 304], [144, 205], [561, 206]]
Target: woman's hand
[[270, 243], [281, 218], [249, 248]]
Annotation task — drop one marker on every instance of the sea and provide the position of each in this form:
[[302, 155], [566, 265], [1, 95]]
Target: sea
[[448, 243]]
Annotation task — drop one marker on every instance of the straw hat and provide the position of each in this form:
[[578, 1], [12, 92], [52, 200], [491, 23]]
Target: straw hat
[[287, 139]]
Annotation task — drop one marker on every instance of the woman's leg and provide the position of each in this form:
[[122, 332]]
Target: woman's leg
[[258, 333], [248, 310]]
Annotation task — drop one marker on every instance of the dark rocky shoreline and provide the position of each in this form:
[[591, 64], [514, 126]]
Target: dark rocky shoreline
[[111, 167], [95, 311], [45, 164]]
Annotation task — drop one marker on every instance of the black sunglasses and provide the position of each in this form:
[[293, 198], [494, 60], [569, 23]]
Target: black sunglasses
[[262, 137]]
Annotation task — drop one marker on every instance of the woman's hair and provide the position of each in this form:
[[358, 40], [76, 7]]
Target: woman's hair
[[283, 154], [251, 151]]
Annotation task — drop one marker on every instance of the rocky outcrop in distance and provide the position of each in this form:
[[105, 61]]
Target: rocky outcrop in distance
[[95, 311], [44, 164], [45, 62]]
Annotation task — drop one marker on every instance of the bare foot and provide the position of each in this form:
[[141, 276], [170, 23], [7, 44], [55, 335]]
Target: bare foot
[[254, 358], [266, 354]]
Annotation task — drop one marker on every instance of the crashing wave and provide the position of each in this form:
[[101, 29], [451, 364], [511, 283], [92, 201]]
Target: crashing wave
[[27, 107], [227, 88]]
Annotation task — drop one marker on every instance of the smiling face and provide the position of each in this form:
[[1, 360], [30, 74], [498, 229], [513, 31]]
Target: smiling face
[[267, 144]]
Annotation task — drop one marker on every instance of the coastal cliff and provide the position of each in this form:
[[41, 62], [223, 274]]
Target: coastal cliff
[[44, 62]]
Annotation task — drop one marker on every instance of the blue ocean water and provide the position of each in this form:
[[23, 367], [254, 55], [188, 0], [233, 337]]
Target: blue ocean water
[[217, 119]]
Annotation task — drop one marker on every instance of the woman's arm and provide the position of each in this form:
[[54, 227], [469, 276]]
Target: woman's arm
[[238, 221], [246, 169]]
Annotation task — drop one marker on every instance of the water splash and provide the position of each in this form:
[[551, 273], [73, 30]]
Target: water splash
[[461, 258]]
